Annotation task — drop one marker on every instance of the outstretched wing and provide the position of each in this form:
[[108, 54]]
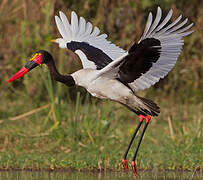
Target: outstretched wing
[[155, 54], [92, 47]]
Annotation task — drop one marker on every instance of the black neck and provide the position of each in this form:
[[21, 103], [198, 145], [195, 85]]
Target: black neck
[[65, 79]]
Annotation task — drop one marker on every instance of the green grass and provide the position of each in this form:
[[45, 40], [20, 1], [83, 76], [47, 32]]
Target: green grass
[[89, 135]]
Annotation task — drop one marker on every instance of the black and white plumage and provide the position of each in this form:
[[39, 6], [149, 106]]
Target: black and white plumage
[[80, 33], [136, 69]]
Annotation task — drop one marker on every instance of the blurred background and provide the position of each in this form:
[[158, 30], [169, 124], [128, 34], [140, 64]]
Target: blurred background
[[39, 117]]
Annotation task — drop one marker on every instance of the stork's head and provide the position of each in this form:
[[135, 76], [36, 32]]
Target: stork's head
[[61, 42], [40, 57]]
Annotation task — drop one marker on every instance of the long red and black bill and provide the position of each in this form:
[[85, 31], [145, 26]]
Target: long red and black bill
[[19, 74], [36, 60]]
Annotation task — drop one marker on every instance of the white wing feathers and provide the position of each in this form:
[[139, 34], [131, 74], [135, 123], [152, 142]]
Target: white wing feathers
[[65, 24], [171, 44], [82, 31]]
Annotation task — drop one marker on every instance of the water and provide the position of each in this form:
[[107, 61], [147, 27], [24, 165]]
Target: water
[[145, 175]]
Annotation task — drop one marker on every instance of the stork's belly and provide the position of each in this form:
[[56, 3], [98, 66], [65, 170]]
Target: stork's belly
[[106, 88], [112, 89]]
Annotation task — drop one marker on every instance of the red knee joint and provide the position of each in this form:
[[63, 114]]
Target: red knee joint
[[141, 118], [147, 118]]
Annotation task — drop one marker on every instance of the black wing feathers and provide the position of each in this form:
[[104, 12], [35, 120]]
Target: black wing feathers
[[92, 53], [139, 60]]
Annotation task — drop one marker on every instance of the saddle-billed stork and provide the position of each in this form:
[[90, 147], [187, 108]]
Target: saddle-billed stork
[[109, 72]]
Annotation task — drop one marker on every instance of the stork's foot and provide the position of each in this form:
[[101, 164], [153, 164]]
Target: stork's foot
[[125, 164], [134, 168]]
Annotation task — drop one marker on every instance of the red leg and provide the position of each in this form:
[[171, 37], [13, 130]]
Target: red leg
[[133, 164], [124, 161]]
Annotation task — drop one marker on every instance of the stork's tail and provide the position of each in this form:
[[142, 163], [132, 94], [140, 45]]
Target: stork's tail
[[151, 107]]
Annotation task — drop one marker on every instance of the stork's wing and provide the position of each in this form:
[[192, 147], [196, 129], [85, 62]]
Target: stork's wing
[[155, 54], [93, 49]]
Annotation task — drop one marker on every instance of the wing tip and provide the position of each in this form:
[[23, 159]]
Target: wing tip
[[73, 12], [56, 19], [187, 33], [74, 15], [171, 11], [61, 14], [158, 9]]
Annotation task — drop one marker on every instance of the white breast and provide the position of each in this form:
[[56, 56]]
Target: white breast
[[101, 86], [84, 77]]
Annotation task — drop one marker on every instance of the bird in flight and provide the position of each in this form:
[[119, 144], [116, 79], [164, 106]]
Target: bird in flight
[[109, 72]]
